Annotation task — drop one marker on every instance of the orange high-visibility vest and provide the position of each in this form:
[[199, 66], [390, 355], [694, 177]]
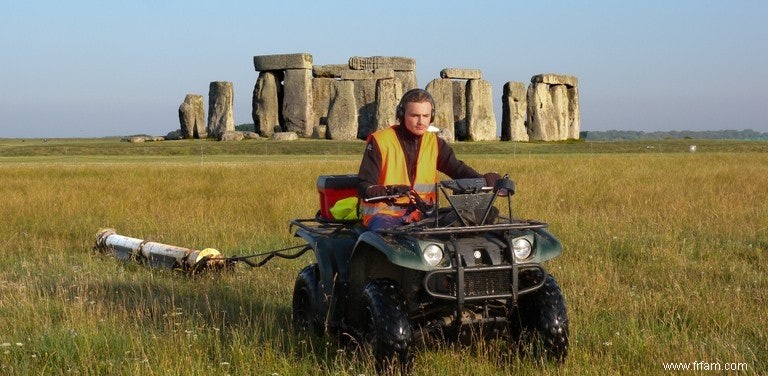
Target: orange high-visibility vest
[[394, 171]]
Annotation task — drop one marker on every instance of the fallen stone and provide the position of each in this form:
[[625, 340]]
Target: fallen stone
[[142, 138], [250, 135], [381, 62], [461, 74], [284, 136], [282, 62], [231, 136]]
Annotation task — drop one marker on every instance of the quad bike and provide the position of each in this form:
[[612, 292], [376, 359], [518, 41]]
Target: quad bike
[[462, 271]]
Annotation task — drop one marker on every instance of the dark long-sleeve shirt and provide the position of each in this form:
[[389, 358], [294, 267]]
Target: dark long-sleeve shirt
[[447, 162]]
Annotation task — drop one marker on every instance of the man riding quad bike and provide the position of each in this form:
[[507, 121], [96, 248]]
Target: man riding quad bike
[[463, 268]]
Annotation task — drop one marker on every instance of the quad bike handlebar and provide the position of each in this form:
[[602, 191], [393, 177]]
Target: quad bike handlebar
[[460, 195]]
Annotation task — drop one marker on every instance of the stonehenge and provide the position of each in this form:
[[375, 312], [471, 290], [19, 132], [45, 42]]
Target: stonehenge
[[337, 101], [294, 98]]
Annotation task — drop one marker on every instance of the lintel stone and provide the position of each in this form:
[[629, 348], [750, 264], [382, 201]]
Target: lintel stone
[[461, 74], [367, 74], [379, 62], [329, 70], [555, 79], [281, 62]]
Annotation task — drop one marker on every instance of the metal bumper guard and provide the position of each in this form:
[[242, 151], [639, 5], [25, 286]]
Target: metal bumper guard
[[482, 283]]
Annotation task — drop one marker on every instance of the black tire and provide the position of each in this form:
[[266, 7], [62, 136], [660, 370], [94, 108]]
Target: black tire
[[541, 321], [386, 328], [305, 315]]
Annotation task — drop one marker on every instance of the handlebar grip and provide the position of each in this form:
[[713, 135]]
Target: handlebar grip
[[382, 198]]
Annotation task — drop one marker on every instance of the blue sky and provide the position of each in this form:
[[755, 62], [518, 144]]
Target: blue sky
[[95, 68]]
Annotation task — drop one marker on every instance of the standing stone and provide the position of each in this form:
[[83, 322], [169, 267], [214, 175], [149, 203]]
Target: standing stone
[[220, 108], [442, 91], [342, 115], [192, 117], [574, 117], [542, 125], [481, 121], [297, 101], [321, 100], [388, 94], [266, 102], [461, 133], [560, 109], [513, 111], [365, 97], [408, 79], [282, 62], [555, 115]]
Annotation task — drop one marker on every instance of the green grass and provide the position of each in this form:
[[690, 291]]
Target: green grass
[[665, 256], [65, 148]]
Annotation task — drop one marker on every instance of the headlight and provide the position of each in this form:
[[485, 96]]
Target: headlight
[[522, 248], [433, 254]]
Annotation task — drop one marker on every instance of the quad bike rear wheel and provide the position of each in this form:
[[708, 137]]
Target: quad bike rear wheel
[[541, 321], [386, 328], [304, 312]]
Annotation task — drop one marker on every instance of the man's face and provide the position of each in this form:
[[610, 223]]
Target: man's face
[[417, 117]]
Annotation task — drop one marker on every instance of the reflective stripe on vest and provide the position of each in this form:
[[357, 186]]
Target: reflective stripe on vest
[[394, 171]]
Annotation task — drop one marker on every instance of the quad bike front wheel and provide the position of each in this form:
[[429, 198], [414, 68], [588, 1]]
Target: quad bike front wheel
[[541, 320], [386, 328], [304, 313]]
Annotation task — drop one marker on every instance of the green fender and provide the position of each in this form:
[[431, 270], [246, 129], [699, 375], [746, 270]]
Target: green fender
[[545, 245], [405, 251]]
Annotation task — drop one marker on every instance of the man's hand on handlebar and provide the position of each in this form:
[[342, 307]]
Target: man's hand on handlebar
[[390, 192]]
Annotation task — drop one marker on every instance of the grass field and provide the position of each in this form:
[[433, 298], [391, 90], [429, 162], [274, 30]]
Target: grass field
[[664, 261]]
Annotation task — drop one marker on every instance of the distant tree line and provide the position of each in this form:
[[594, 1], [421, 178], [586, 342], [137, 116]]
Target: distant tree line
[[616, 135]]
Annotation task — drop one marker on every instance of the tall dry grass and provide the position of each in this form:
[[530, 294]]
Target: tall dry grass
[[664, 262]]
